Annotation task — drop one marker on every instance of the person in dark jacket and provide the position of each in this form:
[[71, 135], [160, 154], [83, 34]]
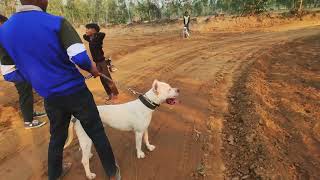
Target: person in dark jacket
[[26, 100], [95, 39], [44, 50], [186, 20]]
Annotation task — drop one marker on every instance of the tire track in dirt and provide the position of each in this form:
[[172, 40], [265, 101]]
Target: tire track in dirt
[[267, 120], [186, 151]]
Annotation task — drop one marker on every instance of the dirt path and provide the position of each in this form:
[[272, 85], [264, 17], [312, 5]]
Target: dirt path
[[188, 136], [274, 125]]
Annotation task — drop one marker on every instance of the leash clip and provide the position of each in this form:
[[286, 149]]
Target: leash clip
[[134, 92]]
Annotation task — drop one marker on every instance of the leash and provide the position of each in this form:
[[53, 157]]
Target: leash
[[147, 102], [117, 83]]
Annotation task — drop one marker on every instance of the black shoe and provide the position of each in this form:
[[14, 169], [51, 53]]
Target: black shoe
[[34, 124], [39, 114]]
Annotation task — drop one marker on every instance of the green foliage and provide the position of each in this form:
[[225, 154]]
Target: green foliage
[[243, 7], [171, 10], [254, 7], [117, 12], [56, 7], [142, 11], [198, 7], [147, 10], [7, 7]]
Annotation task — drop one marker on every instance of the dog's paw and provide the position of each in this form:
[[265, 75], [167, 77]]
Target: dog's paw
[[151, 147], [141, 155], [91, 176]]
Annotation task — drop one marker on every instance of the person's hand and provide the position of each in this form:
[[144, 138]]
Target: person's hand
[[94, 71]]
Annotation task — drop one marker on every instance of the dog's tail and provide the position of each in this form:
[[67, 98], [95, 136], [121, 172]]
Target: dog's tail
[[70, 133]]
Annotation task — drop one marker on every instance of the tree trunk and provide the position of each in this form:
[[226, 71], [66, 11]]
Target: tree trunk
[[301, 5], [97, 11], [129, 14], [106, 19], [316, 3]]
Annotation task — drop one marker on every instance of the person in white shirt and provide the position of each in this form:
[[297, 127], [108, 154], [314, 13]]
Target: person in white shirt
[[186, 20]]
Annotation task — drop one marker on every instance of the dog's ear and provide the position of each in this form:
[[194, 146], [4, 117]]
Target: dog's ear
[[155, 86]]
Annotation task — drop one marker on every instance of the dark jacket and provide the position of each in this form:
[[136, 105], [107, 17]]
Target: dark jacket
[[95, 45]]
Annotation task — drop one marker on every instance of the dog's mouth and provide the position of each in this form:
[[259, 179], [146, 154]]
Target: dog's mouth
[[172, 101]]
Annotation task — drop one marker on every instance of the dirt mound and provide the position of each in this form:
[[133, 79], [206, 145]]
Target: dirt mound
[[272, 131], [273, 22]]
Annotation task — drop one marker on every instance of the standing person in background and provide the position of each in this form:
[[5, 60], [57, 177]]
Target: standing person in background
[[53, 49], [95, 39], [186, 20], [26, 100]]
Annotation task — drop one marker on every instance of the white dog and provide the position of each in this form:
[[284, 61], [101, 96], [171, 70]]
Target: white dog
[[132, 116], [185, 32]]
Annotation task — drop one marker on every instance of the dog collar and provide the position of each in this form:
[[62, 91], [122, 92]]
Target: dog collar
[[147, 102]]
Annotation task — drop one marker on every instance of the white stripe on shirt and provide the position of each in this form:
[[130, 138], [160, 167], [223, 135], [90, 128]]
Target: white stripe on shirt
[[24, 8], [7, 69], [75, 49], [186, 19]]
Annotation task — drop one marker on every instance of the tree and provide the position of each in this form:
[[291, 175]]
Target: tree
[[8, 7], [198, 7], [117, 11], [97, 10], [300, 7], [171, 9], [122, 11], [56, 7], [148, 10]]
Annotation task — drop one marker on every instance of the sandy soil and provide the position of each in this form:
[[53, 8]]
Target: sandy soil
[[192, 138], [272, 130]]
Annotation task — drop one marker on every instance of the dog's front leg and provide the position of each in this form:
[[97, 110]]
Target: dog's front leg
[[146, 140], [140, 153], [86, 155]]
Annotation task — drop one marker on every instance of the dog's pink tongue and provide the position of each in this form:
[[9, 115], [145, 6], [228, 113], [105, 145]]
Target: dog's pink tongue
[[172, 101]]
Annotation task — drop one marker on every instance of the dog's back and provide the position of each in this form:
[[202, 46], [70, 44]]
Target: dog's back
[[125, 117]]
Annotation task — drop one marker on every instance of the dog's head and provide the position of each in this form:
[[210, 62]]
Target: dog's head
[[165, 93]]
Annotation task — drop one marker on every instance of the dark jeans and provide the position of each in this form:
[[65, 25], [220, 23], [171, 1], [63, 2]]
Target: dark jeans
[[109, 87], [82, 106], [25, 100], [187, 26]]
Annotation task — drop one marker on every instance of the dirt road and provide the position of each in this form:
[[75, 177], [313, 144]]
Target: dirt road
[[188, 136], [273, 125]]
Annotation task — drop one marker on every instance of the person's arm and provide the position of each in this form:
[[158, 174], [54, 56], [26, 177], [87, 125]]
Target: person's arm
[[8, 67], [72, 44], [86, 37], [100, 36]]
